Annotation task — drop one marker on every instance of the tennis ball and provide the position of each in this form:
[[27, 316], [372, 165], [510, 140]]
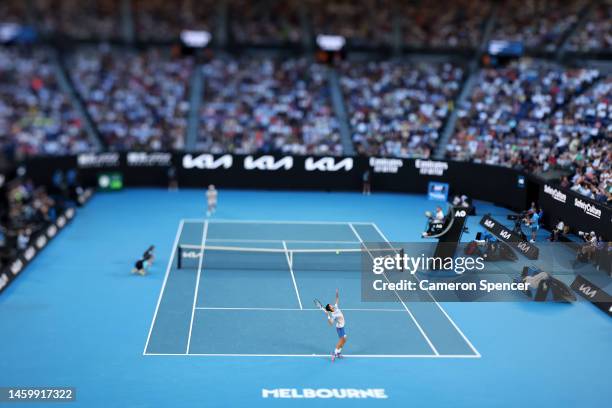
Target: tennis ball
[[337, 252]]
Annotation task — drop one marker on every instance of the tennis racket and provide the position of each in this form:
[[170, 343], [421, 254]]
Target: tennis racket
[[318, 304]]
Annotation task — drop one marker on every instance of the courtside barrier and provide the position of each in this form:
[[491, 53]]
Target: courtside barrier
[[503, 186], [37, 244], [593, 294], [510, 237]]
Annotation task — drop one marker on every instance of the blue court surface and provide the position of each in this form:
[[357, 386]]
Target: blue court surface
[[229, 328]]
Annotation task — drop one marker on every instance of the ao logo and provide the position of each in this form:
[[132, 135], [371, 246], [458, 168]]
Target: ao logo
[[207, 162], [489, 223], [588, 291], [505, 234], [268, 163], [460, 213], [328, 164]]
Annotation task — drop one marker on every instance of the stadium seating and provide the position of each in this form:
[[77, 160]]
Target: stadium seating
[[595, 35], [275, 22], [444, 24], [529, 114], [36, 116], [138, 101], [399, 109], [263, 105]]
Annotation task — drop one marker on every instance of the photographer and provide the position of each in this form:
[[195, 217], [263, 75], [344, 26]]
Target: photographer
[[519, 219], [586, 251]]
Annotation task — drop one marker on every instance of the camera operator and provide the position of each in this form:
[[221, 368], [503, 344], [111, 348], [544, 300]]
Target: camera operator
[[586, 251], [519, 219]]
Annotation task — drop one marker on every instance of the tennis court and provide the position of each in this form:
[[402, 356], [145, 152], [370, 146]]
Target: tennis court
[[246, 288]]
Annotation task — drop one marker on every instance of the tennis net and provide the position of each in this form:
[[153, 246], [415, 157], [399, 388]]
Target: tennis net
[[254, 258]]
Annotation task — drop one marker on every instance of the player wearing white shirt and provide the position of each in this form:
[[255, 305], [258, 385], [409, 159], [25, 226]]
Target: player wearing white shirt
[[335, 316], [211, 197]]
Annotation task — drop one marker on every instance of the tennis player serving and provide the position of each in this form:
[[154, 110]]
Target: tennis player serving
[[335, 316]]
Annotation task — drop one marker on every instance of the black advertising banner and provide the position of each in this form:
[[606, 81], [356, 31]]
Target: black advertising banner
[[500, 185], [579, 212], [510, 237], [593, 294]]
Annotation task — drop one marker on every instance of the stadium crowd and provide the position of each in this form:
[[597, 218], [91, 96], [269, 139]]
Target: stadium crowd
[[266, 22], [89, 19], [160, 20], [444, 24], [398, 109], [539, 117], [12, 11], [363, 23], [264, 105], [589, 117], [596, 35], [537, 23], [530, 114], [137, 100], [36, 116]]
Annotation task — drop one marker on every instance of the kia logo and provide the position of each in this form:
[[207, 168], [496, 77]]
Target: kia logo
[[328, 164], [207, 162], [268, 163]]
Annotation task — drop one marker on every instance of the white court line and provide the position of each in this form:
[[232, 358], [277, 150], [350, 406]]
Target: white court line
[[468, 342], [296, 309], [179, 230], [197, 285], [222, 221], [290, 241], [290, 263], [468, 356], [433, 348]]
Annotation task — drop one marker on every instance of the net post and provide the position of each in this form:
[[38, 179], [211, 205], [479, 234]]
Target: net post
[[179, 261]]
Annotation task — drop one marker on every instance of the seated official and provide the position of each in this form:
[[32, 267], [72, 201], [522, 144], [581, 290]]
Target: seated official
[[560, 230], [435, 222]]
